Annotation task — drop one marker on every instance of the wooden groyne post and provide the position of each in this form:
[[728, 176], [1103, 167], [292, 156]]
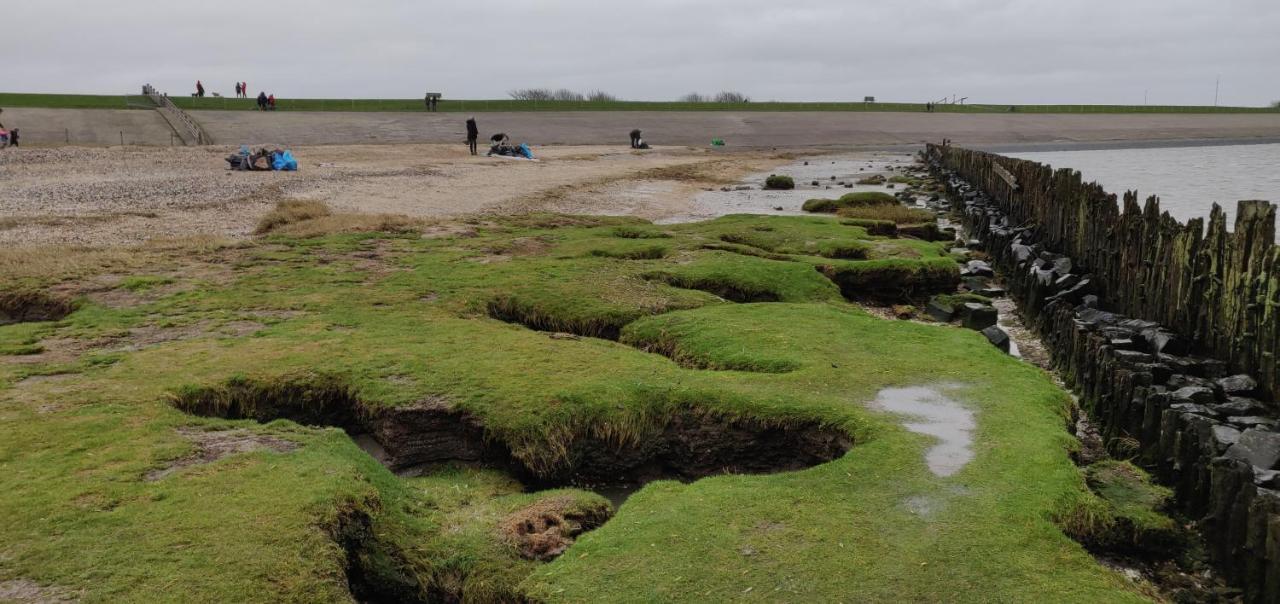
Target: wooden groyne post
[[1219, 288]]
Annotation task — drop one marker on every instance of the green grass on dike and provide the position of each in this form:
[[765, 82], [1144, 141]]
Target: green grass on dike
[[72, 101], [404, 314]]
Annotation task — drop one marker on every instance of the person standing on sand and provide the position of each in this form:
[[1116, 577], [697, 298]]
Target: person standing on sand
[[473, 134]]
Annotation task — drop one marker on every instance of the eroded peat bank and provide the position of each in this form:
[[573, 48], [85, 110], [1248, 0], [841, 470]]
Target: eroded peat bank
[[374, 409]]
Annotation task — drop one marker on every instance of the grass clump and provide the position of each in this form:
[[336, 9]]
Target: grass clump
[[860, 199], [894, 280], [741, 278], [776, 182], [634, 232], [1124, 513], [874, 179], [882, 228], [897, 214], [291, 212]]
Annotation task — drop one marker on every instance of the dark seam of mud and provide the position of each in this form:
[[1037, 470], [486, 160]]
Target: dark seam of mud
[[29, 306], [507, 311], [672, 352], [728, 291]]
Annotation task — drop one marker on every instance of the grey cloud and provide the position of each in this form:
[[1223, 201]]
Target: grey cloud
[[1023, 51]]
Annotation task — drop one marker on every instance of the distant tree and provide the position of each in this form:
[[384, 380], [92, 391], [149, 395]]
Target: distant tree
[[532, 94], [600, 96], [693, 97], [1276, 104], [564, 94], [732, 97]]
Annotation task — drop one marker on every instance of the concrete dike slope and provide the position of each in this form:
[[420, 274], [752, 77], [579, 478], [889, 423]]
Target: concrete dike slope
[[737, 128], [1166, 331]]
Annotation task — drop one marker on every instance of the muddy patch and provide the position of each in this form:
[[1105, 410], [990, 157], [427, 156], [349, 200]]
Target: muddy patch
[[28, 306], [22, 591], [547, 528], [930, 412], [217, 444]]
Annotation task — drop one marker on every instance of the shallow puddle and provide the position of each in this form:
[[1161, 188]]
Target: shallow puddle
[[829, 172], [932, 413]]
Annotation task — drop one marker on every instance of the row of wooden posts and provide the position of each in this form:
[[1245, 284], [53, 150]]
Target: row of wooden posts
[[1219, 288]]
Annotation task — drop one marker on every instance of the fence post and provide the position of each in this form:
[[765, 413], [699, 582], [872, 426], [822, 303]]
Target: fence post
[[122, 138]]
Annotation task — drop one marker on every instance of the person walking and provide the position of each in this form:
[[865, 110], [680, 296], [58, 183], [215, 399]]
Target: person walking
[[473, 134], [199, 89], [237, 89], [262, 101]]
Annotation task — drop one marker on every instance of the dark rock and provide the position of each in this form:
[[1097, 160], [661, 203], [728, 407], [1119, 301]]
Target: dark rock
[[939, 311], [977, 268], [978, 316], [1062, 266], [1194, 408], [1258, 447], [1177, 363], [1239, 405], [1178, 381], [1021, 253], [1066, 282], [974, 244], [1239, 385], [1224, 437], [1095, 317], [1132, 358], [1253, 421], [997, 337], [1161, 340], [1193, 394], [1266, 478], [991, 292], [1089, 301], [1211, 368]]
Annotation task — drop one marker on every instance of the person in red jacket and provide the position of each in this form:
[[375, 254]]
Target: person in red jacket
[[271, 102]]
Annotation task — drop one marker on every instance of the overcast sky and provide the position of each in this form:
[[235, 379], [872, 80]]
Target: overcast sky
[[999, 51]]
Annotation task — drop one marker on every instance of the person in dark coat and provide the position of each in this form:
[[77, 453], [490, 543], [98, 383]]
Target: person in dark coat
[[199, 89], [473, 134], [262, 101], [13, 137], [635, 138]]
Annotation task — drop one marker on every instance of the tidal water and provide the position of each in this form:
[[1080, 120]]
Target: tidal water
[[1188, 180]]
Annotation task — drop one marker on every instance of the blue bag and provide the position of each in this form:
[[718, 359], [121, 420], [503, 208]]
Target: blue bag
[[526, 151], [284, 161]]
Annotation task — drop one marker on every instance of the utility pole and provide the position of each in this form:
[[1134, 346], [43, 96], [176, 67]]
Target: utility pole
[[1144, 96], [1217, 80]]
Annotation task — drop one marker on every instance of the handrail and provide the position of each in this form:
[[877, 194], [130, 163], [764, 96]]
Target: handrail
[[164, 104]]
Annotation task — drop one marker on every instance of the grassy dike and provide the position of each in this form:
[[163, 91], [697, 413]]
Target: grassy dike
[[87, 101], [110, 490]]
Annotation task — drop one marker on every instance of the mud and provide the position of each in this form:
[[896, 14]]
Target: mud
[[938, 416], [214, 445], [25, 306], [547, 528], [22, 591]]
